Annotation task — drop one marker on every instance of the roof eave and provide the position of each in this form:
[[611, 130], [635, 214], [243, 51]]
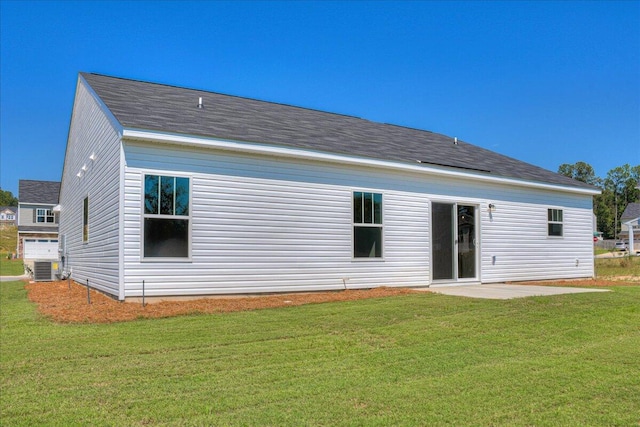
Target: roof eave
[[272, 150]]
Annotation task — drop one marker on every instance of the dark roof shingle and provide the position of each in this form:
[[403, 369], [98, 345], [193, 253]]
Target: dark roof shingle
[[43, 192], [632, 211], [151, 106]]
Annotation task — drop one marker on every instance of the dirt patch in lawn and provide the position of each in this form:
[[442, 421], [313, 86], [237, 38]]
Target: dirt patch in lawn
[[587, 283], [68, 303]]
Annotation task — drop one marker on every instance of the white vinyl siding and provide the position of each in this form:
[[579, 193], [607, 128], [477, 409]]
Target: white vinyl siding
[[516, 246], [92, 134], [271, 225]]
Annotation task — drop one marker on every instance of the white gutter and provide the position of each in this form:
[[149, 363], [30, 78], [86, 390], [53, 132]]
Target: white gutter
[[245, 147]]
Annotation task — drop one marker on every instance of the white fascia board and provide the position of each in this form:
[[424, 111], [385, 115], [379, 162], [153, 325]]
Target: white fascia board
[[107, 112], [279, 151]]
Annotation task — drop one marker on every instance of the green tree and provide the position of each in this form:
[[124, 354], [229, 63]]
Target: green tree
[[619, 188], [7, 198], [580, 171], [621, 182]]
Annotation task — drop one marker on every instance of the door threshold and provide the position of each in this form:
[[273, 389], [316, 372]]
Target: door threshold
[[443, 284]]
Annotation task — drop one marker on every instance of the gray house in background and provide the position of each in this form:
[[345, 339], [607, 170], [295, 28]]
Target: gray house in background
[[631, 213], [195, 193], [37, 220]]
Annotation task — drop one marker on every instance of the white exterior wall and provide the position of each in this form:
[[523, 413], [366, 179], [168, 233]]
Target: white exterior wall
[[92, 132], [262, 224]]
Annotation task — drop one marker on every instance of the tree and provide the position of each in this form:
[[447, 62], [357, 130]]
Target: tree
[[619, 189], [7, 198], [580, 171], [621, 182]]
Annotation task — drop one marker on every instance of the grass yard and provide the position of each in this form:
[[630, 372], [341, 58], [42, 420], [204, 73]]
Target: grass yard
[[13, 267], [420, 359], [618, 267], [8, 242]]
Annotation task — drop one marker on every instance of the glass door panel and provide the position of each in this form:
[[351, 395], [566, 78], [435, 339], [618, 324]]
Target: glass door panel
[[466, 242], [453, 241], [442, 243]]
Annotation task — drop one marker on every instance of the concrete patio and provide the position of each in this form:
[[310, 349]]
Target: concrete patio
[[504, 291]]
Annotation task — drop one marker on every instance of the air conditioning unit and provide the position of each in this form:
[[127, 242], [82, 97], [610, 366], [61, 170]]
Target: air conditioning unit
[[43, 271]]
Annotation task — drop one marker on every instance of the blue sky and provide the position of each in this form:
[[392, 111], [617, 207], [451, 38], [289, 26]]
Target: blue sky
[[544, 82]]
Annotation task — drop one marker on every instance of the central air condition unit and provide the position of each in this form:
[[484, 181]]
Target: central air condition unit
[[43, 271]]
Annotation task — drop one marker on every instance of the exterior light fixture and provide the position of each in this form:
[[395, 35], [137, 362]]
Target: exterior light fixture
[[492, 207]]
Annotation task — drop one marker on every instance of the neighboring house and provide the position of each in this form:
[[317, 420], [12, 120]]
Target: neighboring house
[[8, 216], [37, 220], [196, 193], [631, 213]]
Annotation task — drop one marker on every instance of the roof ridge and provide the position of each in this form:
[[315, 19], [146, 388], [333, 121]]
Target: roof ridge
[[246, 98]]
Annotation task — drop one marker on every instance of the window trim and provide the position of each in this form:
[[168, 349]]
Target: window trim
[[365, 224], [552, 219], [46, 213], [144, 215], [85, 220]]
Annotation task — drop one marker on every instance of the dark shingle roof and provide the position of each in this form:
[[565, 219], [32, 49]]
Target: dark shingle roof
[[37, 229], [44, 192], [632, 211], [158, 107]]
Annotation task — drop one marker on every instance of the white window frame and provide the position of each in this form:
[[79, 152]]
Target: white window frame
[[555, 216], [145, 216], [45, 214], [364, 224]]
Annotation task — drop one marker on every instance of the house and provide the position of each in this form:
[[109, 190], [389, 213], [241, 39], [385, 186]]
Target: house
[[37, 221], [628, 219], [187, 192], [8, 216]]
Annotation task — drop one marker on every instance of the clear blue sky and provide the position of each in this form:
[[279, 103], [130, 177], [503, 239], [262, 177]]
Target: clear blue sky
[[544, 82]]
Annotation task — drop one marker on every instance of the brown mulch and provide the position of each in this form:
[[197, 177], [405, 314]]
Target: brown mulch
[[65, 304], [69, 305]]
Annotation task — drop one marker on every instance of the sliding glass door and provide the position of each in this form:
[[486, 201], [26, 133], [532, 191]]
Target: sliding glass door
[[453, 241]]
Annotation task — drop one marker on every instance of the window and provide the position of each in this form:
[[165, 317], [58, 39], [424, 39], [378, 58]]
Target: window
[[44, 215], [11, 217], [166, 217], [367, 225], [554, 217], [85, 220]]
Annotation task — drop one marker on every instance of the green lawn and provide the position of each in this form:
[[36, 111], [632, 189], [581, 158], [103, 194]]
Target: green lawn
[[422, 359], [620, 266], [12, 267]]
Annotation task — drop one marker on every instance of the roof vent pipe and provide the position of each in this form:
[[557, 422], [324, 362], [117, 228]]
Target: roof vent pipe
[[200, 102], [455, 140]]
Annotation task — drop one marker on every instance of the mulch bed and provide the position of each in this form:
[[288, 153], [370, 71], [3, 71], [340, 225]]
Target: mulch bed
[[65, 304], [587, 283]]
